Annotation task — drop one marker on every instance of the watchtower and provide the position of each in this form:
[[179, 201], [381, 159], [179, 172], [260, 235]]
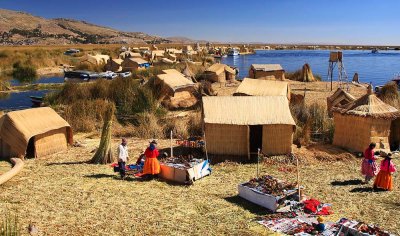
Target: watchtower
[[336, 59]]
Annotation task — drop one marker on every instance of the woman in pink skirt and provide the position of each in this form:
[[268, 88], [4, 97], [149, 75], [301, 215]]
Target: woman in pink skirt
[[368, 166]]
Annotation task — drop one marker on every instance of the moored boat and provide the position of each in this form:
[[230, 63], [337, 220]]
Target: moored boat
[[36, 101], [125, 74], [233, 52]]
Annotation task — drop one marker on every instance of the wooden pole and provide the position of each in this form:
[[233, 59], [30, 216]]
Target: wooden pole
[[205, 145], [258, 160], [298, 177], [172, 149]]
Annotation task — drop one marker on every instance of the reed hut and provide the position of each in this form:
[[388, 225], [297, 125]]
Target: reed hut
[[220, 73], [132, 64], [157, 54], [340, 98], [97, 59], [237, 126], [35, 132], [129, 54], [266, 71], [175, 90], [114, 65], [355, 78], [256, 87], [365, 120], [306, 73]]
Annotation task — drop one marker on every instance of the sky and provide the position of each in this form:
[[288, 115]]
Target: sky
[[364, 22]]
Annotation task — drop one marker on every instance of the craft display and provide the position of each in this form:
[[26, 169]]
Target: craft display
[[270, 185], [353, 227], [191, 143], [267, 191], [184, 169], [300, 224]]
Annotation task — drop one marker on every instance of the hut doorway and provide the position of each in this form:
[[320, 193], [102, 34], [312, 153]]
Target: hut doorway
[[255, 139], [30, 150]]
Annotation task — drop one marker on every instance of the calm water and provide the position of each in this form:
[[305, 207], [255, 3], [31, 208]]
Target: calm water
[[44, 80], [377, 68], [20, 100]]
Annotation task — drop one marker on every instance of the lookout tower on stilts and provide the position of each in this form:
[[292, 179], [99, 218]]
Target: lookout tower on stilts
[[336, 60]]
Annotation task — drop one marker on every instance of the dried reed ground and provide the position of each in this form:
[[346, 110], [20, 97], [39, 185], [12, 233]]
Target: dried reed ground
[[63, 196]]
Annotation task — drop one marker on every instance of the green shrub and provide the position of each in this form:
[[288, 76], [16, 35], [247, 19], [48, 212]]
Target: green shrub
[[24, 73]]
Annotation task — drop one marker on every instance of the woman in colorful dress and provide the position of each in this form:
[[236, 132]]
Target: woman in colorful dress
[[151, 165], [368, 166], [384, 179]]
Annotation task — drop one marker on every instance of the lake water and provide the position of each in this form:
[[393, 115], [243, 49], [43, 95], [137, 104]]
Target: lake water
[[20, 100], [377, 68], [43, 80]]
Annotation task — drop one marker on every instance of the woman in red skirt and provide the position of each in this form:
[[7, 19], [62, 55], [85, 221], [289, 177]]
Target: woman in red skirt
[[151, 165], [368, 166], [384, 180]]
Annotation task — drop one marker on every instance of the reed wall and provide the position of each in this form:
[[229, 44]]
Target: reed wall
[[356, 133], [51, 142], [277, 139], [225, 139]]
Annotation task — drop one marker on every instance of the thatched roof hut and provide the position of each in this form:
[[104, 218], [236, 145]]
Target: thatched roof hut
[[306, 73], [35, 132], [97, 59], [363, 121], [129, 54], [220, 73], [266, 71], [256, 87], [175, 89], [237, 126], [114, 65], [131, 64], [339, 99], [355, 78]]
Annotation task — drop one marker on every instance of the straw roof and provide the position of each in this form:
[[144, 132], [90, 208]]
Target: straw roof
[[340, 92], [138, 60], [174, 79], [157, 53], [256, 87], [369, 105], [171, 71], [252, 110], [267, 67], [17, 127], [219, 68]]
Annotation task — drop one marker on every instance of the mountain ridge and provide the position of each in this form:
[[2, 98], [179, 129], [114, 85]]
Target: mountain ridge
[[22, 28]]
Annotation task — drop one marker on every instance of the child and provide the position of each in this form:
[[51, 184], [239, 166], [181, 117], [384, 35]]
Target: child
[[384, 180], [368, 166]]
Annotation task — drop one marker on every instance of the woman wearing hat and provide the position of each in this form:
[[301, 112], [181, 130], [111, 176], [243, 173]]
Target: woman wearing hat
[[384, 179], [368, 166], [151, 164]]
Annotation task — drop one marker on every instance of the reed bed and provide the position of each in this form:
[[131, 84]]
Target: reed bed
[[62, 194]]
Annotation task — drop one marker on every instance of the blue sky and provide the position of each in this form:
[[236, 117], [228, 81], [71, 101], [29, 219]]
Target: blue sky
[[270, 21]]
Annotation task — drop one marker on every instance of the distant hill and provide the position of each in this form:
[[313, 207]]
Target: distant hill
[[185, 40], [19, 28]]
